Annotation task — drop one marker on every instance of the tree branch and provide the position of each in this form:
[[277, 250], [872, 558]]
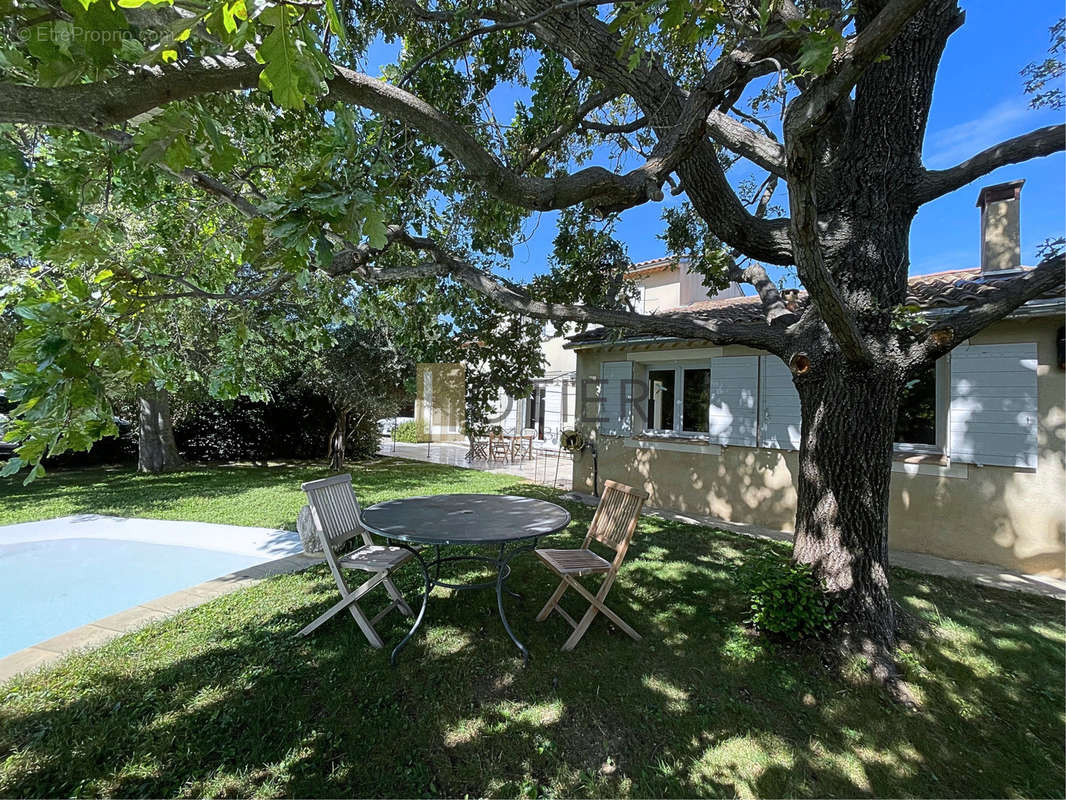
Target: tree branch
[[584, 39], [610, 127], [560, 132], [1041, 142], [952, 330], [97, 107], [496, 26], [733, 135], [358, 262], [807, 247], [815, 106]]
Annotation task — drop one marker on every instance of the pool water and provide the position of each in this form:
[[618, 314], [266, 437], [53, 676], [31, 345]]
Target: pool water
[[48, 587]]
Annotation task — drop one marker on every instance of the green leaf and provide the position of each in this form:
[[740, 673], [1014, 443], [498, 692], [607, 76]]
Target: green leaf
[[374, 227], [816, 53], [12, 466], [335, 23], [281, 74]]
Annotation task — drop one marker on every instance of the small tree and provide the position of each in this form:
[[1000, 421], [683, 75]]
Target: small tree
[[365, 379]]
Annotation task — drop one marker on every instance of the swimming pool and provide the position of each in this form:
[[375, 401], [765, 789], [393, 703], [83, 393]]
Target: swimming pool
[[60, 574]]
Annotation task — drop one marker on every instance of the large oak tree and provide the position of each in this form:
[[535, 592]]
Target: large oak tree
[[411, 177]]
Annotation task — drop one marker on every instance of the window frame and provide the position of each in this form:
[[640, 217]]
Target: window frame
[[942, 377], [678, 367]]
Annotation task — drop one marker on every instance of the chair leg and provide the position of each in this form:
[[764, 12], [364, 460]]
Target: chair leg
[[597, 603], [366, 627], [349, 601], [585, 622], [553, 601], [397, 598]]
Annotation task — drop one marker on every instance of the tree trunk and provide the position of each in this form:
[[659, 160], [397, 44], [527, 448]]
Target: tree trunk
[[338, 440], [156, 449], [842, 509], [849, 421]]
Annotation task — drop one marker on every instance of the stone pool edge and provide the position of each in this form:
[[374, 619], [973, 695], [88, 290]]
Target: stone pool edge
[[107, 628]]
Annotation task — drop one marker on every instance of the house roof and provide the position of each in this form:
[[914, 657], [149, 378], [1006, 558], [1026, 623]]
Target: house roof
[[938, 290], [644, 268]]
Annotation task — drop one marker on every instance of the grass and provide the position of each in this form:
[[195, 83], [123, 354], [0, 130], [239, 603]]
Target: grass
[[223, 701], [267, 497]]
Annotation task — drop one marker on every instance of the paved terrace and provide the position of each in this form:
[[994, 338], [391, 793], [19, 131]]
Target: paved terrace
[[547, 466]]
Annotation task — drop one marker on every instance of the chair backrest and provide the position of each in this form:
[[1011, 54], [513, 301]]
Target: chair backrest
[[335, 510], [616, 517]]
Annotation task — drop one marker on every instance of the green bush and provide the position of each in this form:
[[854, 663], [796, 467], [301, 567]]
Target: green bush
[[784, 599], [405, 432]]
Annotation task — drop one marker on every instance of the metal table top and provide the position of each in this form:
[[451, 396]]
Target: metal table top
[[464, 519]]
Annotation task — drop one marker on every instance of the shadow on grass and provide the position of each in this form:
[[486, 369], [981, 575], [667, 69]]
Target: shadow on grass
[[222, 700]]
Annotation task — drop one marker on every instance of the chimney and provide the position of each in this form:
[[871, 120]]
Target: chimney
[[1001, 241]]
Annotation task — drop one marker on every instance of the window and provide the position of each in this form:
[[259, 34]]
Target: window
[[922, 411], [695, 409], [678, 399], [661, 399]]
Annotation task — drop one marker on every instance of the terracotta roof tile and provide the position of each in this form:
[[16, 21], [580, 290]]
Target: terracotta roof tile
[[642, 268], [957, 287]]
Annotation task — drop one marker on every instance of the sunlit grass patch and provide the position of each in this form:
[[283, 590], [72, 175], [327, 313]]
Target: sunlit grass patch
[[223, 700]]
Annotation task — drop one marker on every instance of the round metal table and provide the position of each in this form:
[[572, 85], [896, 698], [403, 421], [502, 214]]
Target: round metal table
[[509, 523]]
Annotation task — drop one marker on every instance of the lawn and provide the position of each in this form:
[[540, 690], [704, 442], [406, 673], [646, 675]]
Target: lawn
[[223, 701]]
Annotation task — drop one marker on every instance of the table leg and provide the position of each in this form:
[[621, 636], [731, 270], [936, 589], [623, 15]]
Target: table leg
[[422, 610], [501, 576], [501, 559]]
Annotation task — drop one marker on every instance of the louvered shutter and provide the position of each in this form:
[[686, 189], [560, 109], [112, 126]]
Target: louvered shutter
[[780, 420], [616, 393], [734, 385], [993, 416]]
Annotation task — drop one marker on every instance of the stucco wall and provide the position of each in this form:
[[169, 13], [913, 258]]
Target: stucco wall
[[661, 290], [999, 515], [692, 290], [557, 357]]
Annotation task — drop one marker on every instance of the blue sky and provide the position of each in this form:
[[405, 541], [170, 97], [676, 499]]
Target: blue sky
[[977, 102]]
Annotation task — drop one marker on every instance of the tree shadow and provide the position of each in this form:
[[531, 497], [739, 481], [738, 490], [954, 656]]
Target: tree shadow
[[223, 700]]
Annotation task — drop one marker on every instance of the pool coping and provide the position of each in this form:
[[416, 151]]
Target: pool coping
[[107, 628]]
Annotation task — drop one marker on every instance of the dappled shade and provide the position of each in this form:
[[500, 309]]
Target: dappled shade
[[222, 700]]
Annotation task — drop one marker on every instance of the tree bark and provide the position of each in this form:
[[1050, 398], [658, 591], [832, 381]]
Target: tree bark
[[338, 441], [842, 508], [156, 449]]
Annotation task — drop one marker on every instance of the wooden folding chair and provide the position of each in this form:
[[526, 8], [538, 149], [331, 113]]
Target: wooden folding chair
[[500, 447], [612, 525], [335, 511]]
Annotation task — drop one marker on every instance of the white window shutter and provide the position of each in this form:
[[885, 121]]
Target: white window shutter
[[734, 385], [616, 410], [780, 420], [993, 416]]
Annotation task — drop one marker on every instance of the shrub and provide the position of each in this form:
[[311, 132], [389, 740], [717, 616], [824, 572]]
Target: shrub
[[296, 424], [405, 432], [785, 599]]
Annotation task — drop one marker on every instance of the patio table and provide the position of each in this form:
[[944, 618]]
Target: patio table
[[508, 523]]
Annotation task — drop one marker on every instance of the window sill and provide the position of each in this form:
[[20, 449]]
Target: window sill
[[674, 442], [935, 465], [907, 457]]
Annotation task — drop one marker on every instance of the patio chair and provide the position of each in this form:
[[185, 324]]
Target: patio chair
[[479, 448], [500, 447], [523, 446], [612, 525], [335, 511]]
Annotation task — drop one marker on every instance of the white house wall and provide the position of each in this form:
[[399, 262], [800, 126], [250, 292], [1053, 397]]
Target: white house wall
[[1013, 516]]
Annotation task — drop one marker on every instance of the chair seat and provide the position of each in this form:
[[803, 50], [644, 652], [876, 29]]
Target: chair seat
[[375, 558], [574, 562]]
